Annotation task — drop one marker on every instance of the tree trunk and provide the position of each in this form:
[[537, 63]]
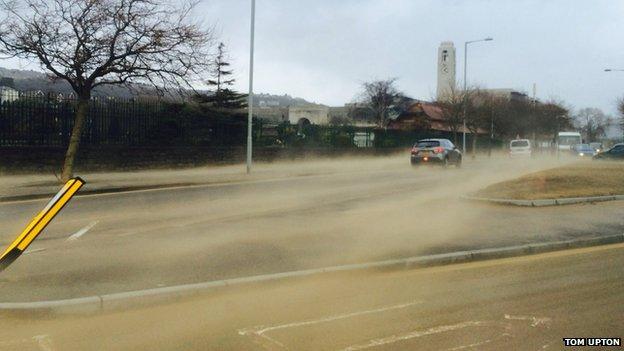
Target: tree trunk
[[74, 140]]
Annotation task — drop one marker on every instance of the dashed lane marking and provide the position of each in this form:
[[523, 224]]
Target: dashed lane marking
[[34, 251], [82, 231], [535, 321]]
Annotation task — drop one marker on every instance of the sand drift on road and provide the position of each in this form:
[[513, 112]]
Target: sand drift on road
[[343, 211]]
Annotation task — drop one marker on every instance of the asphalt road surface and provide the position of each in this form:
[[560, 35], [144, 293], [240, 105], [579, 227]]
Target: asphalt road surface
[[362, 210], [522, 303]]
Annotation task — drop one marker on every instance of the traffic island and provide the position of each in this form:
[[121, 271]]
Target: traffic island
[[582, 182]]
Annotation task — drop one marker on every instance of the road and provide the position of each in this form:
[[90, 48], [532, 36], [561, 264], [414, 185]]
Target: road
[[355, 210], [522, 303]]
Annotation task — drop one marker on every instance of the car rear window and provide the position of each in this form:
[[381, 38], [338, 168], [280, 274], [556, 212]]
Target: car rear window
[[519, 143], [427, 143]]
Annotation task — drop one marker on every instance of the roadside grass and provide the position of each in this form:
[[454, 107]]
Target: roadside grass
[[589, 178]]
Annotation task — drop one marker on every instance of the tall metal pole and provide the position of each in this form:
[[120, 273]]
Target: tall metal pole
[[250, 97], [464, 95], [465, 102], [615, 70]]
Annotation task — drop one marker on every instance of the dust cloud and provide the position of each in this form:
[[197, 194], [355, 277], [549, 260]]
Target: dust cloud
[[289, 216]]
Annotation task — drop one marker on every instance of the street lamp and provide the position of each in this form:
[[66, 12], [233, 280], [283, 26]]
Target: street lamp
[[250, 97], [614, 70], [465, 83]]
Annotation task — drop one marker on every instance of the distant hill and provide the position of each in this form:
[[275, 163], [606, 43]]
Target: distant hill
[[33, 81], [26, 80], [268, 100], [20, 74]]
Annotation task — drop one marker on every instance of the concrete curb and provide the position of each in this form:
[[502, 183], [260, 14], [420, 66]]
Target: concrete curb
[[545, 202], [98, 191], [133, 299]]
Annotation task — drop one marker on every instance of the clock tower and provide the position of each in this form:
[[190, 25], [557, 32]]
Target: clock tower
[[446, 69]]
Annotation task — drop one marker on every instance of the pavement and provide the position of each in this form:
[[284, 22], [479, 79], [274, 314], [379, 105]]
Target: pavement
[[326, 213], [521, 303], [39, 186]]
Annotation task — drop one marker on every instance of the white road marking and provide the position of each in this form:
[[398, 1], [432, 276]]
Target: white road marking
[[44, 342], [82, 231], [535, 321], [470, 346], [416, 334], [34, 251], [260, 331]]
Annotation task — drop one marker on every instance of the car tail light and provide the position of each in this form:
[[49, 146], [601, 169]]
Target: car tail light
[[414, 150], [438, 150]]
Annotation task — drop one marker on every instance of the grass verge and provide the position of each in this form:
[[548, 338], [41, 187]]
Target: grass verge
[[582, 179]]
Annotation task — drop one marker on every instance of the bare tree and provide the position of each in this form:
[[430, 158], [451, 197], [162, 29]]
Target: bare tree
[[380, 95], [497, 109], [593, 123], [479, 113], [93, 43], [452, 105]]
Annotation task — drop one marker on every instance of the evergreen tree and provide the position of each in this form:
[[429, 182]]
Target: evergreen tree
[[221, 72], [223, 96]]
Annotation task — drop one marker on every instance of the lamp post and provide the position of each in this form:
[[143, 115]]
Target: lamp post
[[250, 96], [614, 70], [466, 84]]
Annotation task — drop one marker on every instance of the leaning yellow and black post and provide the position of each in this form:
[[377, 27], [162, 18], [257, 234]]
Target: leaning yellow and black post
[[36, 226]]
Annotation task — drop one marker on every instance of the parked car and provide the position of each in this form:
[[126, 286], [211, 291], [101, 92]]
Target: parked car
[[583, 150], [520, 148], [597, 147], [614, 153], [435, 151]]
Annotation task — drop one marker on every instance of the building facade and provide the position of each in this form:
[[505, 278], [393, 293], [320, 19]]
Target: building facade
[[318, 115]]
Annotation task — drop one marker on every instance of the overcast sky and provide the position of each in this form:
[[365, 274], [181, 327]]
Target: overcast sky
[[322, 50]]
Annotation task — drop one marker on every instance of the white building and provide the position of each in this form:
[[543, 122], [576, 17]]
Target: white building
[[446, 69], [8, 94], [318, 115]]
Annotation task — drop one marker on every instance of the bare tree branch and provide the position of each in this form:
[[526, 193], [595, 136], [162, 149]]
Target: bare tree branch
[[380, 95], [91, 43]]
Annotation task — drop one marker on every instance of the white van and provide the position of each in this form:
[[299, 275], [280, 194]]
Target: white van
[[567, 140], [520, 148]]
